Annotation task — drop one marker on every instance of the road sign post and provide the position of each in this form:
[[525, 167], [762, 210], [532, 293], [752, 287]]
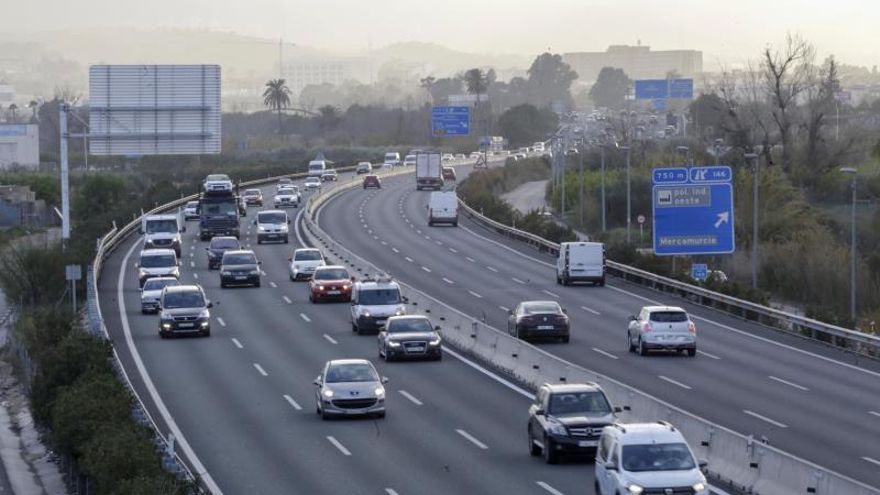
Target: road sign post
[[693, 211], [450, 121], [700, 271]]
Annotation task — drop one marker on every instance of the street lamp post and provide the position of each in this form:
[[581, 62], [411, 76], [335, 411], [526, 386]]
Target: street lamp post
[[602, 154], [628, 201], [753, 157], [581, 152], [852, 262]]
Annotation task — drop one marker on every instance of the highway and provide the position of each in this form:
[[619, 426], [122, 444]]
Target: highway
[[814, 402], [243, 399]]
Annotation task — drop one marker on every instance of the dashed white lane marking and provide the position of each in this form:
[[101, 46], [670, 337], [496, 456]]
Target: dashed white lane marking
[[305, 317], [195, 275], [470, 259], [605, 353], [395, 250], [765, 418], [375, 238], [471, 439], [790, 384], [504, 308], [287, 300], [409, 259], [549, 488], [425, 268], [383, 243], [551, 294], [418, 232], [475, 294], [453, 250], [589, 310], [292, 403], [192, 255], [438, 243], [874, 413], [492, 269], [237, 343], [339, 446], [330, 339], [517, 280], [448, 281], [410, 397], [674, 382], [221, 322], [274, 285], [192, 264], [713, 356], [872, 461], [390, 491], [260, 369]]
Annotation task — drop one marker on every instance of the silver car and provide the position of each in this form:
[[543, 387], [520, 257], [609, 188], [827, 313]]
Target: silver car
[[661, 328], [350, 387], [304, 262], [152, 291]]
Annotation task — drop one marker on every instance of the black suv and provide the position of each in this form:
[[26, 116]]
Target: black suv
[[184, 309], [239, 267], [568, 419], [217, 247]]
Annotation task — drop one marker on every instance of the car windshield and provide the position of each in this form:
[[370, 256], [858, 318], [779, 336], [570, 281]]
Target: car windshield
[[224, 208], [374, 297], [332, 274], [218, 244], [312, 255], [175, 300], [192, 204], [286, 191], [669, 316], [345, 373], [410, 325], [158, 284], [165, 226], [593, 403], [390, 156], [272, 218], [239, 259], [252, 192], [540, 308], [312, 180], [217, 177], [657, 457], [158, 261]]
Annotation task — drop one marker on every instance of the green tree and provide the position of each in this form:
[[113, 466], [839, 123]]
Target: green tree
[[611, 88], [525, 124], [710, 115], [277, 96], [550, 80], [328, 118]]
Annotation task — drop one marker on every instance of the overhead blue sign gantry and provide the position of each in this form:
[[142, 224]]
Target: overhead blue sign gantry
[[450, 121]]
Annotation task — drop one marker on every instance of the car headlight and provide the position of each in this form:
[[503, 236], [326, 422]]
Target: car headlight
[[205, 324], [204, 314], [260, 228], [284, 229], [392, 343], [379, 391], [148, 242], [365, 314], [556, 428], [297, 267], [175, 273], [328, 393], [320, 287], [398, 312], [698, 487], [166, 326], [634, 488], [254, 272], [142, 272], [225, 272], [435, 341]]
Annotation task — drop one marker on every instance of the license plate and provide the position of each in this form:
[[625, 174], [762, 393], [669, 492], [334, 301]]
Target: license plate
[[545, 327], [240, 277], [588, 443], [416, 349], [186, 325], [333, 292]]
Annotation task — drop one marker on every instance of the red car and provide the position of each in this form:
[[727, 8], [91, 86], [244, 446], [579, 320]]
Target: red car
[[372, 181], [253, 197], [449, 173], [331, 283]]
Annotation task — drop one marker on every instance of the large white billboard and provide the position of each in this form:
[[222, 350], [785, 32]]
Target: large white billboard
[[154, 109]]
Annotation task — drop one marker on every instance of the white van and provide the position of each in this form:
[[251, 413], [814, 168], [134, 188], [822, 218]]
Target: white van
[[581, 262], [162, 232], [393, 158], [538, 147], [443, 208], [317, 168]]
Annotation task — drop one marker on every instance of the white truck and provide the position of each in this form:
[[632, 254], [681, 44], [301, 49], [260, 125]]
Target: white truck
[[581, 262], [443, 208], [429, 171], [162, 232], [317, 168]]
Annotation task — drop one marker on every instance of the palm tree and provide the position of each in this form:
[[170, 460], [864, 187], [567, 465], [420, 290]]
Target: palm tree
[[329, 118], [277, 96], [477, 83], [34, 105], [13, 108]]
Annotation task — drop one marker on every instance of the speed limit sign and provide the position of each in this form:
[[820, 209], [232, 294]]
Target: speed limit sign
[[640, 219]]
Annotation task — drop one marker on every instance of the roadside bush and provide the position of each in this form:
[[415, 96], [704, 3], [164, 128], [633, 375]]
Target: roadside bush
[[120, 451], [93, 401], [32, 275]]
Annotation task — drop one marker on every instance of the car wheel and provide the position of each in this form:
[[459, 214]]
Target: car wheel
[[596, 490], [550, 455], [643, 351], [534, 450], [259, 241], [222, 285], [565, 280], [206, 333], [286, 239], [354, 328], [324, 415], [439, 357], [558, 280], [380, 415], [629, 343], [692, 352], [257, 284], [565, 339], [163, 334]]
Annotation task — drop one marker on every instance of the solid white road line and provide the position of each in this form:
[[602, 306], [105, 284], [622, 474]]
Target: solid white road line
[[448, 281], [549, 488], [409, 259], [260, 369], [237, 343], [287, 300], [765, 418], [292, 402], [551, 294], [790, 384], [674, 382], [338, 445], [330, 339], [305, 317], [605, 353], [517, 280], [410, 397], [872, 461], [425, 268], [492, 269], [475, 294], [713, 356], [588, 310], [471, 438]]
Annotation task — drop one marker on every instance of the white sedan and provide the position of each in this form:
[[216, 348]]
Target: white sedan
[[312, 183]]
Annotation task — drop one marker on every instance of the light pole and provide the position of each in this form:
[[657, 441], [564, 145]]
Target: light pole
[[628, 202], [602, 155], [685, 151], [753, 157], [852, 266], [581, 152], [559, 145]]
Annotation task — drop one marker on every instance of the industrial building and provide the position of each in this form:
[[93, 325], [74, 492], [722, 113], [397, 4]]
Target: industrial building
[[19, 145], [638, 62]]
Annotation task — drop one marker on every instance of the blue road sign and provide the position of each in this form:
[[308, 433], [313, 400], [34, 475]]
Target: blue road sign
[[450, 121], [694, 216], [681, 89], [652, 89], [700, 271]]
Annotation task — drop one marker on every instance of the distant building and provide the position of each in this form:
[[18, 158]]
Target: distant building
[[7, 93], [300, 74], [638, 62], [19, 145], [20, 208]]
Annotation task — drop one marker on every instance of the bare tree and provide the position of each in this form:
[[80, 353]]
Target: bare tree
[[820, 100]]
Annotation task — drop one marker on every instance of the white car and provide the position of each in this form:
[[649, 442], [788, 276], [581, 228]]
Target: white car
[[647, 458], [286, 196], [191, 210], [447, 157], [409, 160], [217, 183], [152, 291], [272, 225], [349, 387], [312, 183], [304, 262], [662, 328]]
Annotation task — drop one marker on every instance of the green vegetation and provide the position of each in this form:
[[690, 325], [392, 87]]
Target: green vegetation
[[525, 124]]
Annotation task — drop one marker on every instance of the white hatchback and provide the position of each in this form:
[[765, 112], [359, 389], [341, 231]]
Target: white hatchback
[[304, 262]]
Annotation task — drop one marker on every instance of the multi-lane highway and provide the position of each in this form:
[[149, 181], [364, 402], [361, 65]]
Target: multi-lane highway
[[244, 402], [814, 402]]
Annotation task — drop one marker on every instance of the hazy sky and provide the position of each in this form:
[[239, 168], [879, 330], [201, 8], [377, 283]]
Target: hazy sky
[[732, 30]]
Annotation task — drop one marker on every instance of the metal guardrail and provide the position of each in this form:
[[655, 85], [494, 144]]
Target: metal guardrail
[[857, 342]]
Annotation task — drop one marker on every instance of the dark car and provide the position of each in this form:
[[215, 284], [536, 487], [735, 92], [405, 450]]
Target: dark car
[[239, 267], [449, 173], [568, 419], [409, 337], [184, 309], [539, 319], [217, 247], [253, 197], [330, 283], [372, 181]]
